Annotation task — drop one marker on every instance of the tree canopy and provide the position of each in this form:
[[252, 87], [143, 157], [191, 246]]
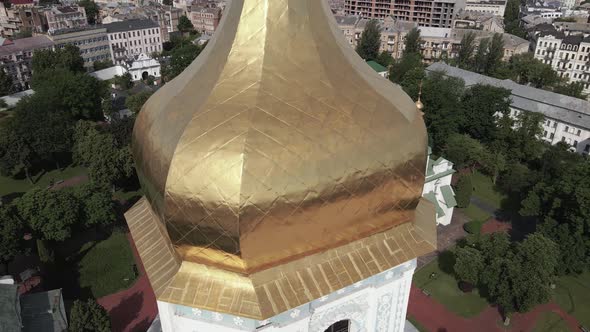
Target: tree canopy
[[11, 234], [412, 42], [6, 87], [185, 25], [368, 46], [91, 9], [89, 316]]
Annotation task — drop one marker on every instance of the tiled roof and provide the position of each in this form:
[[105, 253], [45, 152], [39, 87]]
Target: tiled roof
[[448, 196], [26, 44], [130, 25]]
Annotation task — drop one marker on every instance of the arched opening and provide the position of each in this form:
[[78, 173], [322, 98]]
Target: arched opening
[[145, 75], [339, 326]]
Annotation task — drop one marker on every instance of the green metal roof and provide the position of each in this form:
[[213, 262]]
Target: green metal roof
[[439, 175], [448, 196], [432, 198], [376, 67]]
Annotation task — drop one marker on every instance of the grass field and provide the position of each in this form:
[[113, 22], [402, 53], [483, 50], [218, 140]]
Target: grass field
[[9, 185], [417, 325], [484, 189], [107, 266], [550, 322], [573, 295], [444, 289], [475, 213]]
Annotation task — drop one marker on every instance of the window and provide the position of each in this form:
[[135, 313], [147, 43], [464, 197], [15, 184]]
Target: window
[[579, 132], [587, 148], [340, 326], [575, 144], [552, 136], [554, 124], [567, 129], [545, 133], [563, 138]]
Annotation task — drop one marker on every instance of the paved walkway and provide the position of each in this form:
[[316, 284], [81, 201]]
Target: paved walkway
[[447, 236], [436, 318], [489, 208], [133, 309], [494, 225]]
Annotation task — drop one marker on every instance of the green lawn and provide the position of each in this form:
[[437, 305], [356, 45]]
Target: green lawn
[[107, 267], [573, 295], [484, 189], [550, 322], [417, 325], [475, 213], [126, 195], [9, 185], [444, 289]]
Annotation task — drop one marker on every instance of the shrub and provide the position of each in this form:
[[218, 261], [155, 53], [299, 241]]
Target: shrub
[[473, 227], [463, 191]]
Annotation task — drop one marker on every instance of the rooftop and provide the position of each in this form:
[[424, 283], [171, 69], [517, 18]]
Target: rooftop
[[560, 107], [26, 44], [130, 25], [9, 315], [376, 67], [44, 312]]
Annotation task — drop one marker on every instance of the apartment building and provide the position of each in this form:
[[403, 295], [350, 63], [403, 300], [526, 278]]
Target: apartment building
[[479, 21], [567, 119], [16, 57], [66, 17], [133, 37], [568, 54], [92, 41], [437, 43], [495, 7], [21, 18], [429, 13], [204, 19]]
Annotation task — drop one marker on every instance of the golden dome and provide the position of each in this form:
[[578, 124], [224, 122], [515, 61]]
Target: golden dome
[[278, 142]]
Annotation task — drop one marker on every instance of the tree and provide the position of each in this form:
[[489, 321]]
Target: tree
[[97, 205], [481, 55], [49, 213], [482, 104], [107, 163], [16, 155], [185, 25], [6, 87], [464, 151], [463, 191], [412, 42], [368, 45], [468, 264], [68, 58], [123, 81], [45, 252], [135, 102], [91, 9], [573, 89], [405, 64], [11, 234], [412, 80], [494, 55], [525, 69], [466, 50], [99, 65], [385, 59], [167, 2], [77, 92], [180, 58], [516, 178], [89, 316], [493, 163]]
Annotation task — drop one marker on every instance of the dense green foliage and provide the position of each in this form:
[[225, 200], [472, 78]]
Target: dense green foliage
[[11, 234], [185, 25], [473, 226], [412, 42], [468, 264], [124, 81], [6, 87], [368, 46], [182, 52], [135, 102], [91, 9], [99, 65], [463, 191], [89, 316]]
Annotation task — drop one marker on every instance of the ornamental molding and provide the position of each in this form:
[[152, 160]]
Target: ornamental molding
[[356, 310]]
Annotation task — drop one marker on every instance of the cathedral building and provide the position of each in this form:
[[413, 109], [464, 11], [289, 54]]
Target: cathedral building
[[282, 180]]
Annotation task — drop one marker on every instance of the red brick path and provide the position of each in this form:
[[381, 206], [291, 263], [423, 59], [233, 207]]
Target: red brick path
[[133, 309], [494, 225], [435, 317]]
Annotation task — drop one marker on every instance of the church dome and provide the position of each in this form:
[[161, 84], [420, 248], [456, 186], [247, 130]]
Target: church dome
[[278, 142]]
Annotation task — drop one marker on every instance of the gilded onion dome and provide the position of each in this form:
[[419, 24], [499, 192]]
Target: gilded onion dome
[[277, 142]]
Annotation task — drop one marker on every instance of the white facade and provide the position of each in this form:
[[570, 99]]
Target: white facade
[[569, 56], [143, 66], [497, 7], [378, 303], [438, 190], [125, 44]]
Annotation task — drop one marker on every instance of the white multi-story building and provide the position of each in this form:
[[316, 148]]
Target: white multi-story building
[[567, 119], [568, 55], [495, 7], [133, 37]]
